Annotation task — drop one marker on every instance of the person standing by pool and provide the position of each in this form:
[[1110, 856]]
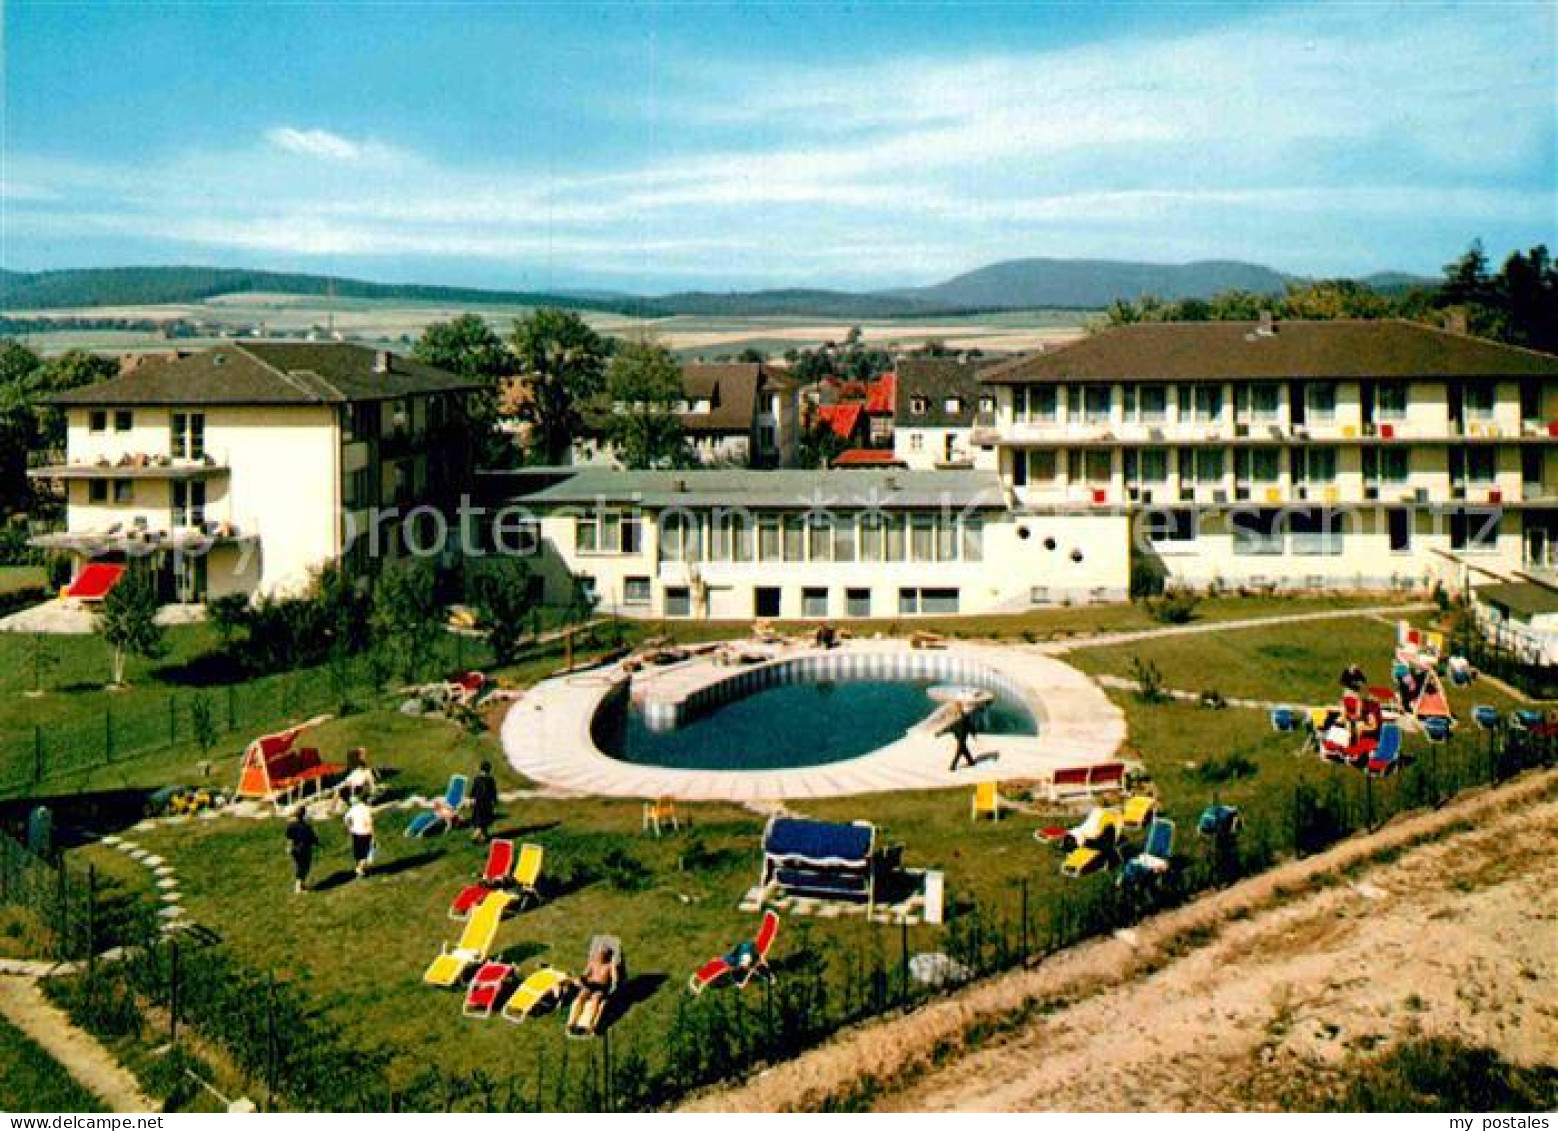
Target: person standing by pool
[[359, 823], [484, 803], [962, 730], [301, 842]]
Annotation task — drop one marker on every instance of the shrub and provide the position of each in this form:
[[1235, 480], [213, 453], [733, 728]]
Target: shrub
[[1149, 680], [1176, 606], [1215, 771]]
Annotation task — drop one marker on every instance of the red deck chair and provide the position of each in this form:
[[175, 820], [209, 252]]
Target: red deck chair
[[500, 862], [486, 988], [94, 581], [743, 963]]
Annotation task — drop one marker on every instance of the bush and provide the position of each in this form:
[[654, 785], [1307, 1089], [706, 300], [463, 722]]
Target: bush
[[1176, 606], [1149, 680], [1215, 771]]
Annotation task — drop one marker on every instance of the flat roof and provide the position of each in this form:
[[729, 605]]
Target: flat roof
[[789, 489], [1523, 597]]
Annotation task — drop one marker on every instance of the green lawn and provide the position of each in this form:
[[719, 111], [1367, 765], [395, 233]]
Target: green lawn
[[32, 1080], [14, 578]]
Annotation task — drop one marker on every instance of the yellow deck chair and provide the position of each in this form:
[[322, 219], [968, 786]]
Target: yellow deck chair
[[1139, 811], [986, 801], [661, 811], [1081, 861], [475, 942], [546, 986], [527, 874]]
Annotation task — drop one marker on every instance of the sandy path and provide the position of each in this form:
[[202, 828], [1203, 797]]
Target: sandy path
[[92, 1066], [1280, 933]]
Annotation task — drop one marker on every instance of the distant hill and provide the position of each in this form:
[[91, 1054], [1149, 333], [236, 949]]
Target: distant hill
[[148, 286], [1018, 284], [1093, 283]]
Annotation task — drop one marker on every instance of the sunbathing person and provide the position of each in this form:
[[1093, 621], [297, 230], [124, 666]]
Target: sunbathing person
[[596, 985]]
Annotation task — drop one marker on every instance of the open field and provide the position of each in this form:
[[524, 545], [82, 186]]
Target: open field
[[397, 324]]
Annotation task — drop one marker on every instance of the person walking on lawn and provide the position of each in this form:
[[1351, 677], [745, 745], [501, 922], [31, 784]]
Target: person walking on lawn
[[359, 823], [301, 842], [484, 803]]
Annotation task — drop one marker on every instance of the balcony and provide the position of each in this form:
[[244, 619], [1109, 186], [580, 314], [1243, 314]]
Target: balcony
[[133, 466], [138, 539]]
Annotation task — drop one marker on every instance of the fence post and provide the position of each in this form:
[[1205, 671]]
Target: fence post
[[232, 715], [1024, 931], [92, 917], [1368, 801], [173, 990], [108, 734], [62, 895], [173, 721], [903, 960], [37, 754]]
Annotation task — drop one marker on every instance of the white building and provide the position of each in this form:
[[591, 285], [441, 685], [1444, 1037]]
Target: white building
[[244, 467], [937, 403]]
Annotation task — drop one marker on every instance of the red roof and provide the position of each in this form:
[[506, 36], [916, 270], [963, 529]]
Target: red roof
[[867, 457], [94, 581], [881, 395], [842, 418]]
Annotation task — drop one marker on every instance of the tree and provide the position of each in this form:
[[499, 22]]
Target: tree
[[407, 617], [644, 382], [751, 355], [818, 447], [505, 597], [563, 360], [40, 658], [19, 367], [467, 346], [127, 621]]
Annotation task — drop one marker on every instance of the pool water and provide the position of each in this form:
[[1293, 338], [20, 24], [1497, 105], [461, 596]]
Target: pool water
[[805, 723]]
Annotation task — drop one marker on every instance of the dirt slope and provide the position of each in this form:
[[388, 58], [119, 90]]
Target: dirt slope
[[1457, 935]]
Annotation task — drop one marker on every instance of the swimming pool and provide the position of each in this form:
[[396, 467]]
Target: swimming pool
[[807, 712]]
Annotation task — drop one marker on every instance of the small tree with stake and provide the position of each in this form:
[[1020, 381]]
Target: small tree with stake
[[127, 621], [40, 658], [505, 597]]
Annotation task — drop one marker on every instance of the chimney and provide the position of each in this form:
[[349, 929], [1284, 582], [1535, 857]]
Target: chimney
[[1455, 320], [1268, 324], [381, 361]]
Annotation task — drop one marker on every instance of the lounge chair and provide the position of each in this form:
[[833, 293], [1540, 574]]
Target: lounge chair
[[986, 801], [1156, 853], [1095, 841], [475, 941], [1139, 811], [1284, 719], [1437, 728], [1523, 718], [1220, 820], [661, 811], [527, 875], [544, 988], [584, 1017], [1387, 755], [1486, 718], [500, 859], [444, 814], [743, 963], [486, 988]]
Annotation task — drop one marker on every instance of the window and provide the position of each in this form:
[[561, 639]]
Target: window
[[586, 535], [814, 602], [678, 601], [1090, 467], [1316, 531], [357, 494], [1264, 403], [871, 537], [635, 591], [1320, 401], [189, 504], [766, 601], [1399, 520], [1395, 466], [936, 602], [1036, 404], [1474, 528], [893, 527], [124, 490], [97, 490], [1256, 532], [946, 540], [1043, 465], [987, 404], [916, 441], [1314, 465], [1200, 404], [189, 435], [769, 547], [953, 406], [97, 420], [794, 538], [819, 538], [857, 602], [679, 537], [844, 539], [917, 405], [1177, 525], [1390, 400], [973, 539], [1478, 401], [124, 420], [1095, 405], [923, 540], [730, 537], [1151, 403], [1481, 465]]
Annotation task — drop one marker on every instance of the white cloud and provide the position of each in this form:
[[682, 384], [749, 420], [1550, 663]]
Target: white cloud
[[324, 145]]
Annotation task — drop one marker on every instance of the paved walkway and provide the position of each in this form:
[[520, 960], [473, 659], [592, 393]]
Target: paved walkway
[[70, 618], [77, 1051], [546, 736], [1110, 639]]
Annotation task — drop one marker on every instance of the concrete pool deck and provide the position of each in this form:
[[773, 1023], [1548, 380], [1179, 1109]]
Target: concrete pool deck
[[546, 735]]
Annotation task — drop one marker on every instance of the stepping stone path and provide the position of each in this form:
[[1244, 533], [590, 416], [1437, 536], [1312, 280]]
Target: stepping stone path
[[171, 913]]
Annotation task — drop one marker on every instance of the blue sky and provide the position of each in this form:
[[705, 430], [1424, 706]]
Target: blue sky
[[657, 146]]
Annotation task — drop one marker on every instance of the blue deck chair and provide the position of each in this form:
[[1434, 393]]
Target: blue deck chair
[[441, 817], [1284, 719], [1155, 856], [1436, 728], [1524, 718], [1219, 820], [1487, 718], [1387, 755]]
